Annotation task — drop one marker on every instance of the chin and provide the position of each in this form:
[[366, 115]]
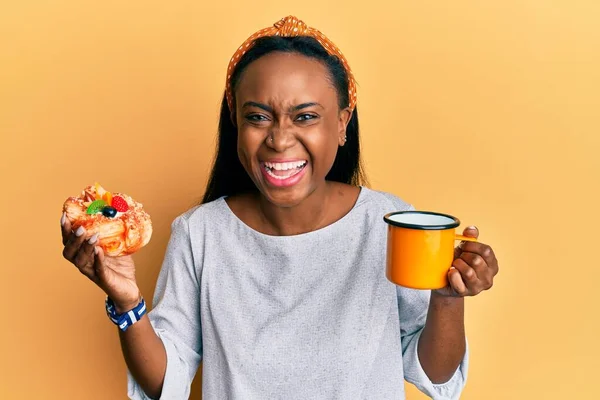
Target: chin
[[286, 197]]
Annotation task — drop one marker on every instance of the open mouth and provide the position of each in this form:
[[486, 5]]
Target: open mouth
[[285, 170]]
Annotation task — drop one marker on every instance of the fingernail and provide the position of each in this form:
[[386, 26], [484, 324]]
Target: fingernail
[[63, 219], [93, 239], [472, 227], [79, 231], [96, 250]]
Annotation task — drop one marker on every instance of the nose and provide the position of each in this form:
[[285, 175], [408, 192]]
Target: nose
[[281, 137]]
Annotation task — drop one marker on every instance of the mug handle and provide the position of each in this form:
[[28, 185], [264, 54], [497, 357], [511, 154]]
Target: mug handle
[[465, 238]]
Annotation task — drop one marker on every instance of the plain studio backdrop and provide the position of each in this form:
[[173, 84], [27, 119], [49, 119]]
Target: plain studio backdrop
[[485, 110]]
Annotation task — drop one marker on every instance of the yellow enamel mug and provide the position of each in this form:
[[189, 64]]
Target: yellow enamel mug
[[420, 248]]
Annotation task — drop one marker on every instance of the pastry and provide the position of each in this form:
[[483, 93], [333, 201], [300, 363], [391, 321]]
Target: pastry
[[122, 225]]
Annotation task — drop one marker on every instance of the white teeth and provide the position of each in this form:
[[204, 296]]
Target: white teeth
[[285, 166], [282, 176], [293, 168]]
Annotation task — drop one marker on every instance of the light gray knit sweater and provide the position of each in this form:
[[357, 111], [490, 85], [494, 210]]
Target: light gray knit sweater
[[310, 316]]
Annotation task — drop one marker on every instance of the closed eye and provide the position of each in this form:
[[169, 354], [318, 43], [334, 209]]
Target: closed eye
[[256, 118]]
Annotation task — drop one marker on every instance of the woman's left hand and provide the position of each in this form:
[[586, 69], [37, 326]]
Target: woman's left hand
[[473, 269]]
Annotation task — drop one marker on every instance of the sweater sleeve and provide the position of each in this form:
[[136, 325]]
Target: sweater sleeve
[[413, 305], [175, 317]]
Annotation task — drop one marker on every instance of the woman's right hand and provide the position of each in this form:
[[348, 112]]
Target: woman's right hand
[[114, 275]]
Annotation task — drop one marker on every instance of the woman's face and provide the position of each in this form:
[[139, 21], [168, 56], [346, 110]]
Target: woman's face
[[289, 125]]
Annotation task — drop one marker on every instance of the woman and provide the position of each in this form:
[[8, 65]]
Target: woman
[[276, 282]]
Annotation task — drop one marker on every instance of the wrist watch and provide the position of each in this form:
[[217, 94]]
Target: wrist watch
[[128, 318]]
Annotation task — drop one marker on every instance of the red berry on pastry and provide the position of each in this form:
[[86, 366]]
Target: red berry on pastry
[[119, 204]]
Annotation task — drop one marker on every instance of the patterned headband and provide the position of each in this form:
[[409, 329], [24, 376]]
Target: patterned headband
[[288, 27]]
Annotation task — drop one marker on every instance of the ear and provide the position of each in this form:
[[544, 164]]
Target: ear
[[343, 121]]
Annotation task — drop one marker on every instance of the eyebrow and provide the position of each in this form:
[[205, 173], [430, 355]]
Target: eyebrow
[[270, 109], [305, 105], [258, 105]]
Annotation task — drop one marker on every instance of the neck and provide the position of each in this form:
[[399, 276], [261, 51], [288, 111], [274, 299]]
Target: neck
[[311, 214]]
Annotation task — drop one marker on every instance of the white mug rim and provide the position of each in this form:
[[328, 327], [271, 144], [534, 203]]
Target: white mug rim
[[455, 221]]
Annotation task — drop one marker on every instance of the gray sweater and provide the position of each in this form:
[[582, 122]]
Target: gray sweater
[[309, 316]]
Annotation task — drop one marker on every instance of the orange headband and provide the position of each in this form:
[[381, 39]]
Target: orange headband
[[288, 27]]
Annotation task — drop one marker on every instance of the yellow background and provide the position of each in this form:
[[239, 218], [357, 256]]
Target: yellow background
[[488, 110]]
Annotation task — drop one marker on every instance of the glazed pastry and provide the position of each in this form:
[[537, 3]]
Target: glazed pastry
[[122, 225]]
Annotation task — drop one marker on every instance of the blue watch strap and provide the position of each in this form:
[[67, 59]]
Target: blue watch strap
[[125, 320]]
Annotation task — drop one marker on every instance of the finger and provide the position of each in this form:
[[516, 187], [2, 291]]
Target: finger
[[458, 250], [467, 274], [485, 272], [471, 231], [84, 260], [99, 263], [471, 247], [480, 248], [456, 282], [490, 258], [476, 262], [65, 228], [486, 252], [74, 243]]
